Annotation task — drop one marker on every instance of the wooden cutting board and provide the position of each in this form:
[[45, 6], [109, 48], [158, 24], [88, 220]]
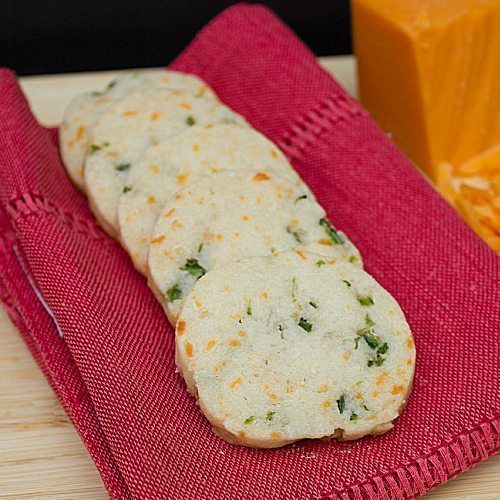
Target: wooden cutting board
[[41, 454]]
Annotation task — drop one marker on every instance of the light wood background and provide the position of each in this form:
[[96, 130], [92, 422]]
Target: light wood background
[[41, 455]]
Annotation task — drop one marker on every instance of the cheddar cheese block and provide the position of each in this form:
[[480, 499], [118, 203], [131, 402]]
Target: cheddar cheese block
[[231, 215], [127, 129], [178, 161], [84, 111], [429, 73], [278, 349]]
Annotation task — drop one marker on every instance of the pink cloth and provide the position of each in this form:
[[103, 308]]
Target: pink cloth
[[113, 368]]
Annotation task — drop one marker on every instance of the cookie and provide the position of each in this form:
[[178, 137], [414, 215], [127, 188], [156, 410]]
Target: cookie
[[229, 216], [127, 129], [84, 111], [277, 349], [178, 161]]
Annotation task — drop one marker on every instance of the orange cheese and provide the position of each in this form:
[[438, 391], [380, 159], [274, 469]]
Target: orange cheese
[[429, 73]]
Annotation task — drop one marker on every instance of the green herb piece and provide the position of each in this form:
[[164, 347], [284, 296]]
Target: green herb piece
[[93, 148], [200, 247], [294, 233], [96, 93], [372, 341], [365, 329], [228, 120], [378, 360], [270, 415], [366, 408], [294, 289], [122, 167], [174, 293], [193, 268], [313, 304], [331, 231], [341, 403], [280, 328], [305, 325], [353, 417], [352, 259], [366, 301], [249, 420], [105, 144], [303, 197], [126, 189], [249, 310], [111, 84], [368, 321], [190, 120], [348, 283], [273, 250], [368, 334], [383, 348], [320, 263]]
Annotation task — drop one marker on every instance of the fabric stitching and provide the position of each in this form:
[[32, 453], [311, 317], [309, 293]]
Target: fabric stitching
[[477, 433], [32, 204], [9, 305], [306, 129]]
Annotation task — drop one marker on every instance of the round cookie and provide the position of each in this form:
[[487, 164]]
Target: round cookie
[[84, 111], [277, 349], [228, 216], [127, 129], [178, 161]]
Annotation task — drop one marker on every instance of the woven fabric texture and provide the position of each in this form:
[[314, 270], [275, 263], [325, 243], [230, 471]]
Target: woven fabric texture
[[107, 350]]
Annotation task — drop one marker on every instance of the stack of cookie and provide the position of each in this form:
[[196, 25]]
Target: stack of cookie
[[280, 334]]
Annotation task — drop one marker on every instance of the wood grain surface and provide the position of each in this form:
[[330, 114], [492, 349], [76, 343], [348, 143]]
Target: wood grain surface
[[41, 454]]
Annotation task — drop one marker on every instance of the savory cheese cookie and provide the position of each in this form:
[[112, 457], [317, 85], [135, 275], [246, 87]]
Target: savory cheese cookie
[[231, 215], [84, 111], [278, 349], [127, 129], [175, 162]]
